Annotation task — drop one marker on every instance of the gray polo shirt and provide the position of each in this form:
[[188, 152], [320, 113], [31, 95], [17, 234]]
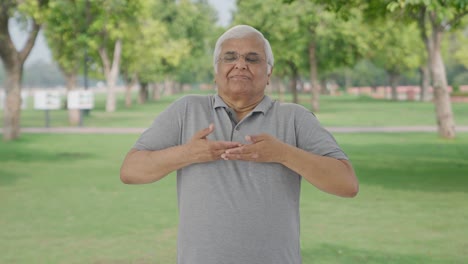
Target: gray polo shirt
[[233, 212]]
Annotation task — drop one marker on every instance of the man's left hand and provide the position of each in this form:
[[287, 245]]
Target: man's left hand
[[263, 148]]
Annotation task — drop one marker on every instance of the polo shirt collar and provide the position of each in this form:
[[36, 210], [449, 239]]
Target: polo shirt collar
[[262, 107]]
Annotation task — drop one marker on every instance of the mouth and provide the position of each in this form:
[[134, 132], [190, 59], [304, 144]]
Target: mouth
[[239, 77]]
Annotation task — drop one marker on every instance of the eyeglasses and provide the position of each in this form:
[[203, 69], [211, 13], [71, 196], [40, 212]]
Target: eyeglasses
[[232, 57]]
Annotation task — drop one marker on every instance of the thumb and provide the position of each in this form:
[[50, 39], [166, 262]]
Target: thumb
[[202, 134]]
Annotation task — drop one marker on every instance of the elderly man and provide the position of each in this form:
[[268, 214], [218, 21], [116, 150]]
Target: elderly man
[[240, 157]]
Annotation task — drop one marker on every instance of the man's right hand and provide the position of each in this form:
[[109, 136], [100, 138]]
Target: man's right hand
[[145, 166]]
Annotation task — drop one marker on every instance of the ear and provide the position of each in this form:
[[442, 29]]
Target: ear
[[269, 75]]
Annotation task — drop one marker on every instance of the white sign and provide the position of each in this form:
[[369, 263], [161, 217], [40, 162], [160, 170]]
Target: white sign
[[80, 99], [24, 100], [47, 100]]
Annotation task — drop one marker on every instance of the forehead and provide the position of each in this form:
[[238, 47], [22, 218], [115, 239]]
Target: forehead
[[244, 45]]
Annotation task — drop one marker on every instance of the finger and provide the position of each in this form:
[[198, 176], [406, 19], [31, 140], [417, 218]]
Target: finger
[[240, 156], [255, 138], [235, 150], [240, 151], [202, 134], [226, 145]]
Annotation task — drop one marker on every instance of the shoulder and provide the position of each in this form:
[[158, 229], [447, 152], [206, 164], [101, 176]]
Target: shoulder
[[192, 101], [193, 98], [292, 110]]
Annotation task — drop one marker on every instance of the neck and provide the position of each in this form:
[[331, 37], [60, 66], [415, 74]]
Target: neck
[[241, 107]]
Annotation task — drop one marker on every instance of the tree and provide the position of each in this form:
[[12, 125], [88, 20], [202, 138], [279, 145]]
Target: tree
[[109, 22], [160, 50], [396, 48], [434, 19], [306, 28], [31, 13], [65, 30], [276, 22], [190, 24], [195, 21]]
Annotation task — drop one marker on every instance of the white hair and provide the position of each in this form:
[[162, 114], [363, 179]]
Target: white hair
[[241, 31]]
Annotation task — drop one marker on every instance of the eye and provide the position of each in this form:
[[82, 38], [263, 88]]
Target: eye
[[253, 58], [230, 57]]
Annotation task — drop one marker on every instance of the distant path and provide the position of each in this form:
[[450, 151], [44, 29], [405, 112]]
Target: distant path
[[126, 130]]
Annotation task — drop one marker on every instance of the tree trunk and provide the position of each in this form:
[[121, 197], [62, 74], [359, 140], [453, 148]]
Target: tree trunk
[[143, 94], [168, 87], [315, 89], [12, 108], [13, 62], [293, 88], [156, 91], [348, 79], [393, 79], [128, 90], [73, 114], [425, 82], [443, 105], [177, 87], [282, 88], [293, 81], [111, 71]]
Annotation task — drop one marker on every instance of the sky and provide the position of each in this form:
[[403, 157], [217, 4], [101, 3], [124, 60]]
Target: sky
[[41, 52]]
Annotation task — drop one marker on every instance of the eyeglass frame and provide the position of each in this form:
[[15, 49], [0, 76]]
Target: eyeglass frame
[[238, 56]]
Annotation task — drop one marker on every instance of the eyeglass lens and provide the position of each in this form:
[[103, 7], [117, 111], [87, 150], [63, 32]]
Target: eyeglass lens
[[232, 57]]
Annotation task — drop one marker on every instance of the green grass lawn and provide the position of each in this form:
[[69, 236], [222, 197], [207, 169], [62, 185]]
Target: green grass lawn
[[335, 111], [61, 201]]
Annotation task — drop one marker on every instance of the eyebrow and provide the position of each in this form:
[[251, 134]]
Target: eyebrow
[[248, 53]]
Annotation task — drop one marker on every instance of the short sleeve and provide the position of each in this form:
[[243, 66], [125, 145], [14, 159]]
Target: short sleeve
[[314, 138], [165, 130]]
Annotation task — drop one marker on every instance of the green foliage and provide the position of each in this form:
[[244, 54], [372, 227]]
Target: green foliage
[[65, 32], [32, 9], [170, 40], [447, 14], [291, 28], [396, 46], [459, 42]]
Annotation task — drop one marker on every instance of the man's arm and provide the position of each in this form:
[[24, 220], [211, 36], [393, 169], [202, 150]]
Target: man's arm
[[328, 174], [145, 166]]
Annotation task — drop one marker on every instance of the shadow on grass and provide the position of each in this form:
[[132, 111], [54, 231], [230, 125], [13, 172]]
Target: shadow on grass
[[331, 253], [419, 167], [13, 158], [39, 156], [8, 177]]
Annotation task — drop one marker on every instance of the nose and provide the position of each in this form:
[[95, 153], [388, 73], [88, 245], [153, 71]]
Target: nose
[[241, 64]]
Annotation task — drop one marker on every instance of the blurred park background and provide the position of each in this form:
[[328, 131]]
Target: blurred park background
[[356, 64]]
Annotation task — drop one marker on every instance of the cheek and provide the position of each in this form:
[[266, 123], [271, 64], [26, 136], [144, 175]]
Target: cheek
[[222, 73], [262, 77]]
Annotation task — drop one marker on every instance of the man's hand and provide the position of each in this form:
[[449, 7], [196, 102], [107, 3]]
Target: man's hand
[[328, 174], [263, 148], [204, 150]]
